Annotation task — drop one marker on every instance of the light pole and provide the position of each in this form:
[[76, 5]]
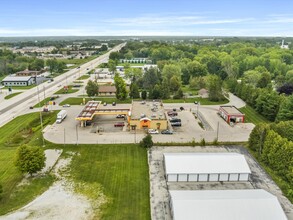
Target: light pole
[[41, 118], [76, 134]]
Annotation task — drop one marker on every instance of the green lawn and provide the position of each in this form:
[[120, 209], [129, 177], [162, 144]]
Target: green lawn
[[21, 87], [251, 116], [84, 77], [186, 89], [122, 171], [22, 130], [78, 62], [77, 101], [70, 90], [12, 95]]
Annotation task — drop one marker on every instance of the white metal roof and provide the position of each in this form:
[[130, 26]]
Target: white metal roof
[[196, 163], [253, 204], [16, 78]]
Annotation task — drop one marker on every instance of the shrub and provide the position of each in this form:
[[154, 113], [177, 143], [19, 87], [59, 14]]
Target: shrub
[[147, 141]]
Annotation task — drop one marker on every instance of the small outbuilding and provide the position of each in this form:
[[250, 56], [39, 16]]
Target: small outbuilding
[[206, 167], [252, 204], [231, 114]]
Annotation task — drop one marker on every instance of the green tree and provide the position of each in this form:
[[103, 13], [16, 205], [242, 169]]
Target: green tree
[[144, 94], [265, 80], [257, 137], [179, 94], [92, 88], [150, 78], [134, 91], [37, 64], [175, 83], [214, 86], [286, 109], [268, 103], [147, 141], [121, 92], [156, 92], [171, 70], [1, 191], [115, 56], [30, 159], [112, 66], [52, 64]]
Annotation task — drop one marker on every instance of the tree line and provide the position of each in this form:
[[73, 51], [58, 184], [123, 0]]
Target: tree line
[[273, 145]]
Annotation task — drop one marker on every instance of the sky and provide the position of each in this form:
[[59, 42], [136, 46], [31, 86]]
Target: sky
[[146, 18]]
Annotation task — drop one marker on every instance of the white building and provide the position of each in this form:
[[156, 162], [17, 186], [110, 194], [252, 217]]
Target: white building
[[205, 167], [18, 80], [255, 204]]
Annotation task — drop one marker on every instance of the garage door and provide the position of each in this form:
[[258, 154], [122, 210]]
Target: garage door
[[243, 177], [233, 177], [214, 177], [203, 177], [192, 177], [172, 178], [224, 177], [182, 177]]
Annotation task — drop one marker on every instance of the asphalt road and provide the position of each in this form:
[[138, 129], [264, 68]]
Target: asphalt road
[[17, 105]]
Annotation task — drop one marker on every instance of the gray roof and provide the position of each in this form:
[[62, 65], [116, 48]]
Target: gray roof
[[16, 78], [249, 204], [205, 163]]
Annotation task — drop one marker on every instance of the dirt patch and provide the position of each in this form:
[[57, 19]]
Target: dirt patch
[[58, 202]]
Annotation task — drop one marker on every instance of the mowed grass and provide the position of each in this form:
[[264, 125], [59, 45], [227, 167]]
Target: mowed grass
[[69, 90], [12, 95], [251, 116], [22, 130], [122, 170], [84, 77]]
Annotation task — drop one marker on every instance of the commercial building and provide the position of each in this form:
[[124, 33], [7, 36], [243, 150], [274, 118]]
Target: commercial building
[[205, 167], [28, 73], [252, 204], [231, 114], [107, 91], [18, 81], [148, 115]]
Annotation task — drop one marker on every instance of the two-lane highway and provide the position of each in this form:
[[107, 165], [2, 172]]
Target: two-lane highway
[[19, 104]]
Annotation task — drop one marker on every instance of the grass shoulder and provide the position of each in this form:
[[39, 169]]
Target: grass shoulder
[[251, 116], [70, 89], [84, 77], [12, 95]]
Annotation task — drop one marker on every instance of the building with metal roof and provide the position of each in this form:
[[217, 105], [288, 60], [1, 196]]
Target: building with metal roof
[[206, 167], [255, 204], [18, 81]]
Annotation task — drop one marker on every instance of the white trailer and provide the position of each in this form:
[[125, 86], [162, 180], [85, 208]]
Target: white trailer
[[61, 116]]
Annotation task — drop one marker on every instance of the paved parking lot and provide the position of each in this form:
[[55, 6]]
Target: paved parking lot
[[189, 131], [159, 187]]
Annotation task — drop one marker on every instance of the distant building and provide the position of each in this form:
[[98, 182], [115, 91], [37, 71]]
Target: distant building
[[283, 46], [18, 81], [28, 73], [107, 90], [231, 114]]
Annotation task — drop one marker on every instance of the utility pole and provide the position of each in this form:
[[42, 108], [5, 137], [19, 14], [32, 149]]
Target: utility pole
[[41, 119], [76, 134], [218, 130], [64, 137]]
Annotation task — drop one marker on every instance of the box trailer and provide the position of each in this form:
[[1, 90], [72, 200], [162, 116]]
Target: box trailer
[[61, 116]]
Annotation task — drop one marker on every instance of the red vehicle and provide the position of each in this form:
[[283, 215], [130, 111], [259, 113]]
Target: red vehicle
[[119, 124]]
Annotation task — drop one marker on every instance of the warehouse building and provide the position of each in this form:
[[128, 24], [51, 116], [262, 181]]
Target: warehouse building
[[206, 167], [231, 114], [18, 80], [249, 204]]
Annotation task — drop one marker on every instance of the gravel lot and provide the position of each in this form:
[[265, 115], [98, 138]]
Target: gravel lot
[[159, 188]]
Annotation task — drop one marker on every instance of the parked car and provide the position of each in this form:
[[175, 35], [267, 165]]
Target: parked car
[[172, 113], [31, 107], [196, 102], [66, 105], [105, 104], [181, 108], [113, 103], [166, 132], [175, 120], [153, 131], [120, 116], [176, 124], [119, 124]]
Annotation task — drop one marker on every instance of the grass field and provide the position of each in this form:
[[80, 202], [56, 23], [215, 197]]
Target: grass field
[[78, 62], [109, 100], [21, 87], [70, 90], [122, 171], [12, 95], [84, 77], [251, 116], [22, 130]]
